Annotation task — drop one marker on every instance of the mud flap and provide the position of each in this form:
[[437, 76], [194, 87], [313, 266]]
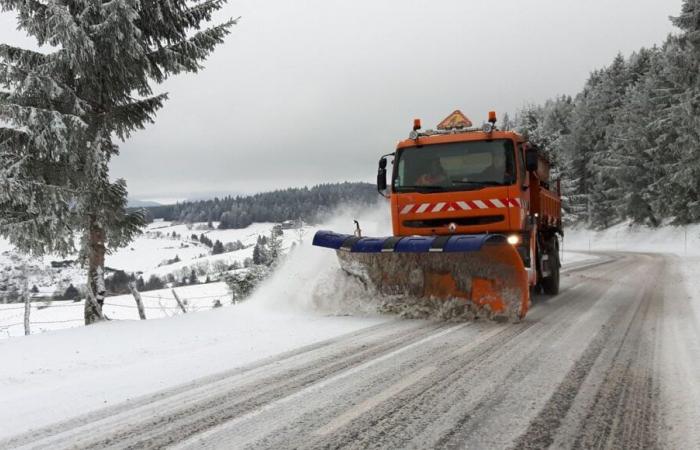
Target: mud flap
[[482, 271]]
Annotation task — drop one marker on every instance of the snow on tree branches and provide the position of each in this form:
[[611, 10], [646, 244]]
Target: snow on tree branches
[[59, 111], [628, 145]]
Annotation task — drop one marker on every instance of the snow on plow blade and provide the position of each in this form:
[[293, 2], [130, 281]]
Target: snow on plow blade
[[483, 271]]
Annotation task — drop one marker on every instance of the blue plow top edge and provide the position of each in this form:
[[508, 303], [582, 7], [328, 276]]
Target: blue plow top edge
[[407, 244]]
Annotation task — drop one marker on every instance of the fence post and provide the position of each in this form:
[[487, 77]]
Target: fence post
[[27, 309], [179, 302], [139, 302]]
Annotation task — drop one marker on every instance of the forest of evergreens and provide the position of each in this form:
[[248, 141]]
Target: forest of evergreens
[[308, 204], [627, 146]]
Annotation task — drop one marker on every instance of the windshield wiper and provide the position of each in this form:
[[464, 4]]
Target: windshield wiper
[[479, 183], [430, 188]]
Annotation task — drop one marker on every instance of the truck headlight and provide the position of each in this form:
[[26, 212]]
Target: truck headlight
[[513, 239]]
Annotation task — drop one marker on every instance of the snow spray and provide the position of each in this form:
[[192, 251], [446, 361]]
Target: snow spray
[[310, 279]]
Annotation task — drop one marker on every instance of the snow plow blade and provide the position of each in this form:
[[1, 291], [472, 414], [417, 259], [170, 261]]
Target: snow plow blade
[[482, 271]]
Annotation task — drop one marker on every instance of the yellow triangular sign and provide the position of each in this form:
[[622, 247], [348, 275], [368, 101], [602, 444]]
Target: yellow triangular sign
[[455, 120]]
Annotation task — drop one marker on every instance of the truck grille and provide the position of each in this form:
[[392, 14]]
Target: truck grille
[[459, 221]]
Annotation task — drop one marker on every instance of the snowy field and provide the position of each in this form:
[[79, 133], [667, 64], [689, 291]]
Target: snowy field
[[70, 371], [144, 256], [57, 315]]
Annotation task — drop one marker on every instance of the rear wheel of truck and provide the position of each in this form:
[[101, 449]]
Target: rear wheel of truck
[[550, 284]]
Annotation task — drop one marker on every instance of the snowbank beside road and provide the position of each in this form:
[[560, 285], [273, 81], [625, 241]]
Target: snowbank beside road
[[678, 240], [54, 376], [681, 241]]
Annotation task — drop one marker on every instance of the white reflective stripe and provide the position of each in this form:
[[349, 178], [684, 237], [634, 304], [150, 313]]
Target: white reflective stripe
[[498, 203], [406, 209], [439, 206], [516, 201], [480, 204], [422, 208], [463, 205]]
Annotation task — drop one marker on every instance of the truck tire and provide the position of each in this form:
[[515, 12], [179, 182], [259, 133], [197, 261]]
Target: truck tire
[[550, 284]]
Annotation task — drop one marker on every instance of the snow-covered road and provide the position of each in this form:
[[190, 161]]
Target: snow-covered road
[[611, 362]]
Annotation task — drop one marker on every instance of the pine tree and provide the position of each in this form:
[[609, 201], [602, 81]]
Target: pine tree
[[63, 108], [242, 283], [260, 252], [607, 101], [218, 248], [506, 124], [630, 146], [71, 293], [689, 22], [274, 246], [682, 167], [638, 158]]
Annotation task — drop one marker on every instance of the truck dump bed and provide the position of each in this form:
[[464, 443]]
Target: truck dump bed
[[545, 202]]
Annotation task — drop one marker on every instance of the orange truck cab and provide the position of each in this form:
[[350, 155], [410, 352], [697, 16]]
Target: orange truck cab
[[460, 180]]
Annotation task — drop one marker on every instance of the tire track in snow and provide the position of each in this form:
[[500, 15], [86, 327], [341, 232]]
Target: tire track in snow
[[594, 429], [624, 412]]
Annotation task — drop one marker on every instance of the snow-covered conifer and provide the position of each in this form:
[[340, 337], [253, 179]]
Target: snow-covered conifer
[[60, 110]]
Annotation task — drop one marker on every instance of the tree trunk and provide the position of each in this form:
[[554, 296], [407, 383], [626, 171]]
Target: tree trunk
[[96, 275], [27, 309], [27, 299]]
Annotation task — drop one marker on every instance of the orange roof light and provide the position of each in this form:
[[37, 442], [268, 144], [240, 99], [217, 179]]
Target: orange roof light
[[416, 124], [492, 117]]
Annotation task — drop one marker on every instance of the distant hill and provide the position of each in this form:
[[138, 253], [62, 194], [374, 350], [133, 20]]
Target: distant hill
[[309, 204], [134, 203]]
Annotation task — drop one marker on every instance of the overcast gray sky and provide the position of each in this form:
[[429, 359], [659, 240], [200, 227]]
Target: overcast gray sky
[[308, 91]]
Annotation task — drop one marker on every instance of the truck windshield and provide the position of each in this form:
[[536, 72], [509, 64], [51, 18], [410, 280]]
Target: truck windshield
[[455, 167]]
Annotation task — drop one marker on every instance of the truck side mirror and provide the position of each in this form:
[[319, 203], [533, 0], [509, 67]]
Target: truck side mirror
[[531, 160], [381, 175]]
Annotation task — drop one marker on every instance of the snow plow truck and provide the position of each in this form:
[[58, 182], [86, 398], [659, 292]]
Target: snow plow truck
[[474, 219]]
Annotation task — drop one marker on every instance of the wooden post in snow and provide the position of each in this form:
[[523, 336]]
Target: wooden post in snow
[[179, 302], [139, 302], [27, 309]]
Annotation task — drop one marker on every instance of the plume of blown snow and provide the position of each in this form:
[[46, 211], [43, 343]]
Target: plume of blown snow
[[310, 279]]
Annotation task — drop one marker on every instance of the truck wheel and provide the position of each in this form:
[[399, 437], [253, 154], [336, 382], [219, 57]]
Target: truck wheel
[[550, 284]]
